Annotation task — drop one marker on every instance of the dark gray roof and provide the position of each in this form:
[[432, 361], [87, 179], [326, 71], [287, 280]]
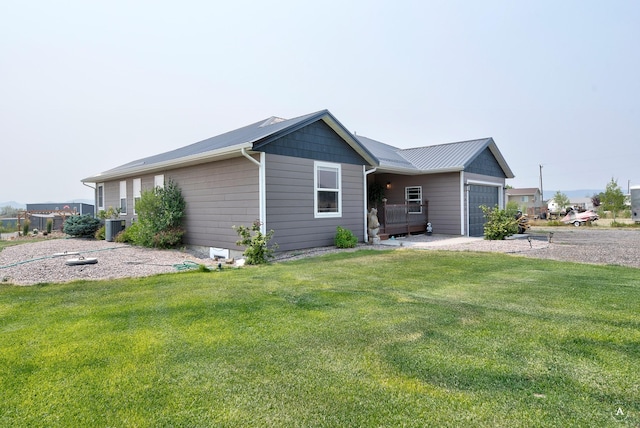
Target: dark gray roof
[[420, 160], [432, 159], [388, 156], [231, 143]]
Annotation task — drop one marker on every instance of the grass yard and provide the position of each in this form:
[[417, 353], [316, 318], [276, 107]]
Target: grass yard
[[371, 338]]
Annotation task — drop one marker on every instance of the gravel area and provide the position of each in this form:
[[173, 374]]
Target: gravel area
[[41, 262], [37, 262]]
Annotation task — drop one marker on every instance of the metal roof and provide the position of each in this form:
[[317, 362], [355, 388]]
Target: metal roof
[[419, 160], [388, 156], [432, 159], [230, 144]]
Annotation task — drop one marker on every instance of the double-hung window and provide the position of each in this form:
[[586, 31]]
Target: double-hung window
[[328, 189], [413, 198]]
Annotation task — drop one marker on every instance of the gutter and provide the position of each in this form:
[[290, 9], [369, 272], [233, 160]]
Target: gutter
[[117, 173]]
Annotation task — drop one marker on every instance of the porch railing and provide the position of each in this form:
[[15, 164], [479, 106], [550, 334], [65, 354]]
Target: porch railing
[[401, 219]]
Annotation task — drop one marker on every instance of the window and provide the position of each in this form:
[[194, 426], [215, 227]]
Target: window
[[101, 196], [158, 181], [524, 199], [413, 198], [137, 191], [123, 197], [327, 187]]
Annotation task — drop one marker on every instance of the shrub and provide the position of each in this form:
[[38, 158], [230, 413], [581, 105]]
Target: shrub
[[25, 228], [345, 238], [169, 238], [500, 223], [49, 226], [82, 226], [100, 233], [256, 245], [129, 234], [160, 213]]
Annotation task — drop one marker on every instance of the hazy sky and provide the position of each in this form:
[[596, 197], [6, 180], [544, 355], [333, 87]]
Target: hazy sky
[[86, 86]]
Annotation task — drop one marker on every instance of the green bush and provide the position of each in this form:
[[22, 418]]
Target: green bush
[[345, 238], [160, 213], [82, 226], [500, 223], [128, 235], [257, 250], [49, 226], [169, 238], [25, 228], [100, 233]]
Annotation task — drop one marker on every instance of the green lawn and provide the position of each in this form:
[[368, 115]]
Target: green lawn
[[371, 338]]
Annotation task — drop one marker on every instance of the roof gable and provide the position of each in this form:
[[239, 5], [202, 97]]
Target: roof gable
[[449, 157]]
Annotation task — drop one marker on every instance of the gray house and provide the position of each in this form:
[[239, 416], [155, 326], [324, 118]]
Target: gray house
[[303, 177]]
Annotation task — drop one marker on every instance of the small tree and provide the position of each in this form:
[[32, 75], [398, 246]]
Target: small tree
[[562, 201], [612, 199], [257, 250]]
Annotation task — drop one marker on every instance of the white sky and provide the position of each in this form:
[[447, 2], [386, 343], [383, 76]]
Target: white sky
[[87, 86]]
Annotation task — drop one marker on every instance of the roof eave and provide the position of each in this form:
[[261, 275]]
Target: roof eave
[[219, 154], [415, 171]]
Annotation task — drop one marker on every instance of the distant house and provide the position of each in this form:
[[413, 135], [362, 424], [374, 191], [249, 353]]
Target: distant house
[[305, 176], [41, 213], [582, 204], [528, 199]]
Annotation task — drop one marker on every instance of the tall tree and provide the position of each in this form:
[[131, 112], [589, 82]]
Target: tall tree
[[612, 199]]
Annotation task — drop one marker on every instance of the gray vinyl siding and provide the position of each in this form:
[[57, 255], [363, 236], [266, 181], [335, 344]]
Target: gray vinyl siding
[[290, 207], [112, 194], [443, 193], [441, 190], [219, 195]]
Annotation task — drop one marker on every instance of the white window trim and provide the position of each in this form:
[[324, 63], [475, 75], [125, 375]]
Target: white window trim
[[336, 166], [158, 181], [123, 195], [137, 192], [419, 200], [98, 188]]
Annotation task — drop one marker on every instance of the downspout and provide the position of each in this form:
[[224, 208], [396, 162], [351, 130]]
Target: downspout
[[464, 206], [261, 189], [365, 173], [95, 207]]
